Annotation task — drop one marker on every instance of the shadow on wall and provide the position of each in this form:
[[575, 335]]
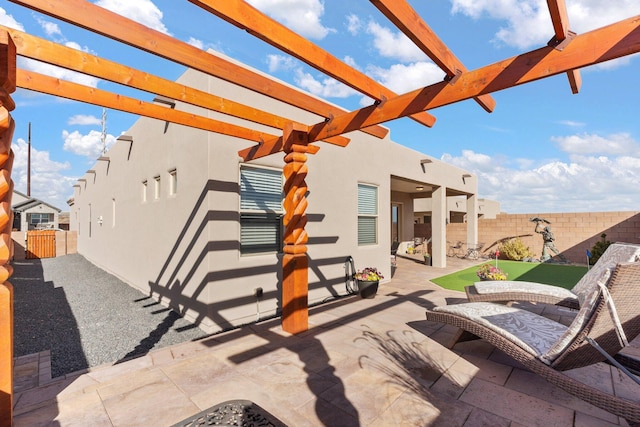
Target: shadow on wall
[[185, 275]]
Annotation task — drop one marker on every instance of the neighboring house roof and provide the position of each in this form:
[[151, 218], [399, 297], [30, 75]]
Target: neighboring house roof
[[29, 203]]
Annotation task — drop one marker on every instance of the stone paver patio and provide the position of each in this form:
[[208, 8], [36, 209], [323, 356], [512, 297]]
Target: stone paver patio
[[363, 362]]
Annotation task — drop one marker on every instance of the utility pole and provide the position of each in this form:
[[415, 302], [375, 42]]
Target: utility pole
[[29, 164]]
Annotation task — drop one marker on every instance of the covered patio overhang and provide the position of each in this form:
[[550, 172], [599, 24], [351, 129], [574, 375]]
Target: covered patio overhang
[[405, 191]]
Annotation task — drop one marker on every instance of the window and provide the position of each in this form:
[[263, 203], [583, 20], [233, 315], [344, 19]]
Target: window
[[367, 214], [144, 190], [260, 210], [173, 182], [38, 218], [156, 191]]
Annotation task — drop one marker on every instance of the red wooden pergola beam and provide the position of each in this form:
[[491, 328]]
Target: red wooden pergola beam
[[101, 21], [560, 21], [33, 47], [77, 92], [600, 45], [245, 16], [403, 16]]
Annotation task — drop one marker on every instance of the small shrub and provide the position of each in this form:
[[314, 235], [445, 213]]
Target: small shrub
[[515, 249], [598, 249], [489, 272]]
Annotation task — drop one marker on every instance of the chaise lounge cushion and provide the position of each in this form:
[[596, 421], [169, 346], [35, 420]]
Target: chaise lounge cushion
[[533, 333], [498, 286]]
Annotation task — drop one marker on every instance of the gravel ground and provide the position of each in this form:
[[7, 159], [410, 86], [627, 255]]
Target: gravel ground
[[87, 317]]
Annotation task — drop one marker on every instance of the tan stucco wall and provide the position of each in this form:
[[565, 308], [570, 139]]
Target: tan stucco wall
[[184, 249]]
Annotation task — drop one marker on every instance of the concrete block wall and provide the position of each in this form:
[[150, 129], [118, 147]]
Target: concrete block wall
[[575, 232]]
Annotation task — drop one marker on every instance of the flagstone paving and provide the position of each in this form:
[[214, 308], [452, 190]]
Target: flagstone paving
[[363, 362]]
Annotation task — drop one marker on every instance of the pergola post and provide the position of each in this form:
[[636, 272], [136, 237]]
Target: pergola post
[[7, 125], [295, 264]]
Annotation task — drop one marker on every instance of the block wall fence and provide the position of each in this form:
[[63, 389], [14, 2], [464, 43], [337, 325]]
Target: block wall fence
[[575, 233]]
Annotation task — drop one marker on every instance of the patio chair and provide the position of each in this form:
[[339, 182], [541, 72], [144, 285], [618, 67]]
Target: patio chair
[[513, 290], [606, 322], [394, 251]]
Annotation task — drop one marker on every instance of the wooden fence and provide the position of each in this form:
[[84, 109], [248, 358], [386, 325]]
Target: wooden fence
[[41, 244]]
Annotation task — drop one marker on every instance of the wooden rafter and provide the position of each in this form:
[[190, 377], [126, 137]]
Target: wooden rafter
[[104, 22], [560, 20], [72, 59], [600, 45], [243, 15], [403, 16], [77, 92]]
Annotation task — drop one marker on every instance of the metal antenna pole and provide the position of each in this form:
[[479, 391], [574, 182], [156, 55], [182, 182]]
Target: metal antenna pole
[[104, 131]]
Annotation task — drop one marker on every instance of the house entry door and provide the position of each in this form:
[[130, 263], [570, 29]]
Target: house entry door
[[396, 215]]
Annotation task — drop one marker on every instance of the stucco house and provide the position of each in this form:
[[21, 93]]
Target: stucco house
[[30, 213], [176, 213]]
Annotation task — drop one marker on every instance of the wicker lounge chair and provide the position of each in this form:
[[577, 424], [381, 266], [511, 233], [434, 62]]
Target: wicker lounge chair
[[548, 348], [512, 290]]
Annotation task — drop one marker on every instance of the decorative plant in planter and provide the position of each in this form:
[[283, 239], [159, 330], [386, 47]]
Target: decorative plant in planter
[[427, 259], [368, 280], [490, 272]]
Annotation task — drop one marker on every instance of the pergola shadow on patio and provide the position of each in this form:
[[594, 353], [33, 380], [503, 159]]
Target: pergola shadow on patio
[[363, 362], [566, 53]]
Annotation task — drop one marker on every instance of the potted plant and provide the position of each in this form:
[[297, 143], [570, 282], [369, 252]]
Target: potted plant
[[368, 280], [427, 259], [490, 272]]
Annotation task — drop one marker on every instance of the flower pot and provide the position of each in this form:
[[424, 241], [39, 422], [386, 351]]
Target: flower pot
[[427, 260], [367, 288]]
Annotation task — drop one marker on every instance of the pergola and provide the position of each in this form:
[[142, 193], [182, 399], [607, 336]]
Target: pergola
[[567, 52]]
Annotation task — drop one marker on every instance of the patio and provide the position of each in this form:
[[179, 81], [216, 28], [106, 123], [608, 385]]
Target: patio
[[363, 362]]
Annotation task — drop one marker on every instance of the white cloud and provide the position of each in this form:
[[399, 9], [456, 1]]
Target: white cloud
[[616, 144], [9, 21], [50, 28], [571, 123], [354, 24], [301, 16], [141, 11], [402, 78], [325, 88], [586, 183], [280, 62], [196, 43], [394, 45], [528, 23], [351, 62], [88, 145], [47, 180], [82, 119]]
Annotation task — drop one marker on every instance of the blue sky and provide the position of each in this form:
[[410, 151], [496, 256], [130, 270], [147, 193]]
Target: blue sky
[[543, 149]]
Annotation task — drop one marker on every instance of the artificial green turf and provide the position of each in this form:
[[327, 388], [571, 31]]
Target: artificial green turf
[[565, 276]]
